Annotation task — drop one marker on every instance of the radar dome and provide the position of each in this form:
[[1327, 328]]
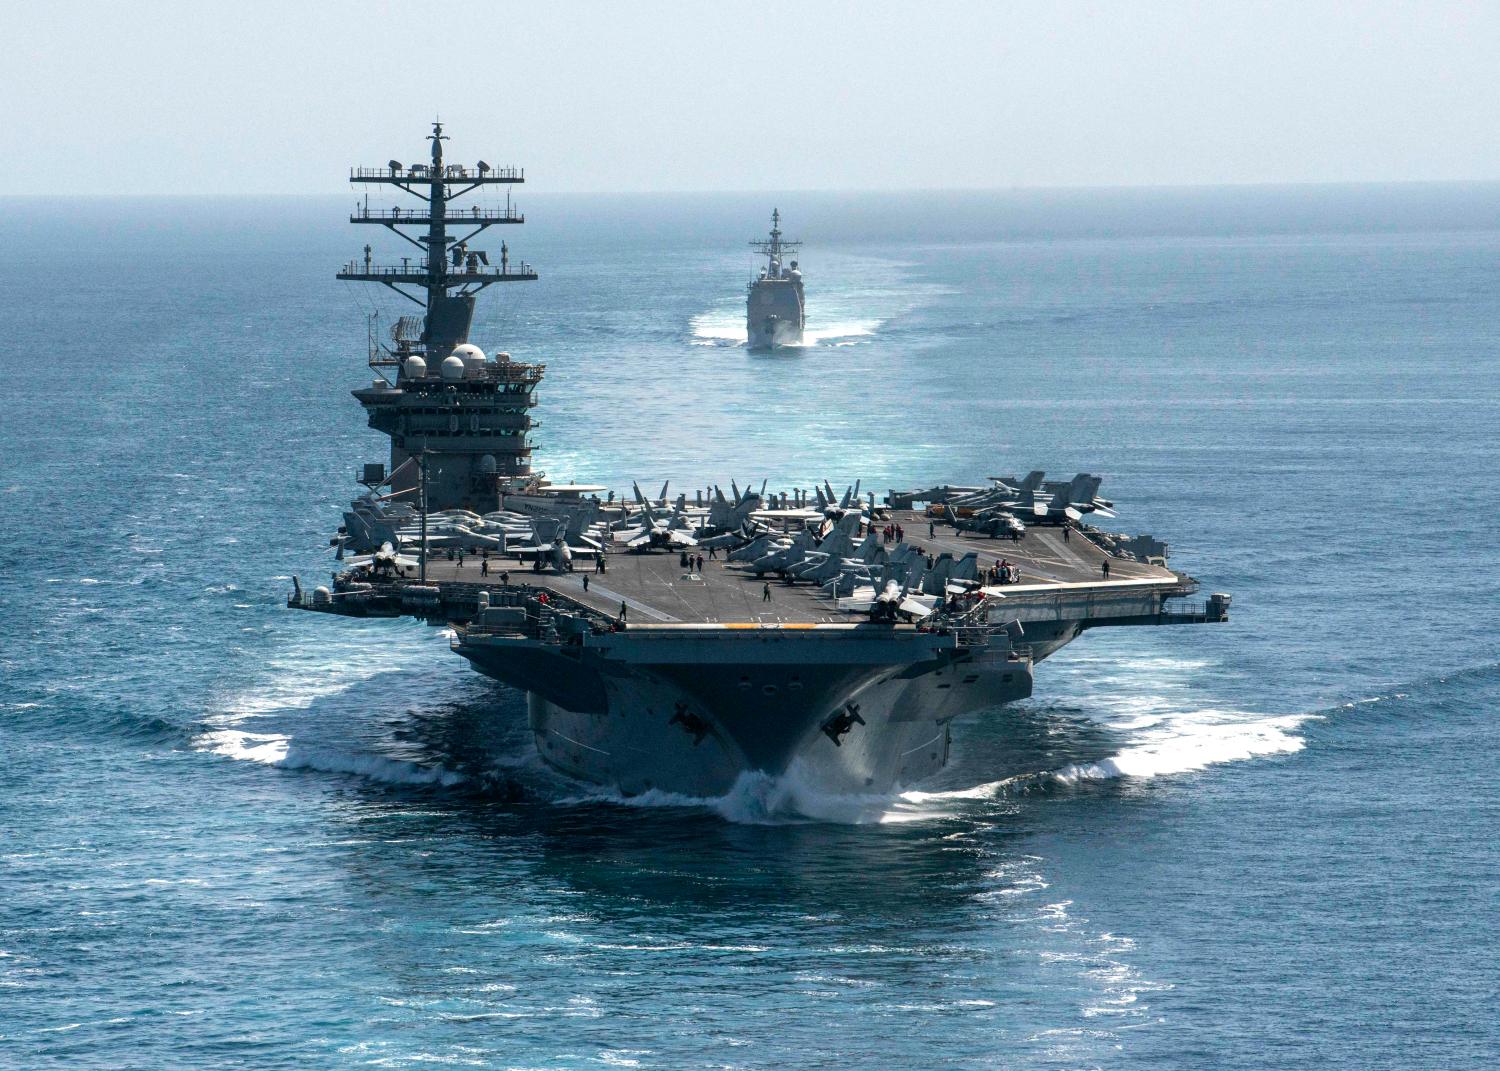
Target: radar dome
[[453, 367], [502, 357], [415, 368], [472, 356]]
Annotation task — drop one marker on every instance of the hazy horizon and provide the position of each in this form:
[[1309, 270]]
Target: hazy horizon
[[169, 97]]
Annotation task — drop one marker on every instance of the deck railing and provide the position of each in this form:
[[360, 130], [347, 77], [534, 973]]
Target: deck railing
[[419, 267], [453, 215], [449, 173]]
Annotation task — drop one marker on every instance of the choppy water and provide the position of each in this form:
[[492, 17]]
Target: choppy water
[[232, 836]]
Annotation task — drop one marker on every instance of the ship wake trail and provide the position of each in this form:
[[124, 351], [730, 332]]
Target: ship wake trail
[[1188, 742], [273, 749], [727, 328], [326, 678], [1153, 708]]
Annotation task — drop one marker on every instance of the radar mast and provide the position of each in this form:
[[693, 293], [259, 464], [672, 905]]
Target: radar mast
[[459, 420], [449, 272], [775, 248]]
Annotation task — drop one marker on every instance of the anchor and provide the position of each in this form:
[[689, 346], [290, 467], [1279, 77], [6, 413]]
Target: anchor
[[690, 722], [839, 725]]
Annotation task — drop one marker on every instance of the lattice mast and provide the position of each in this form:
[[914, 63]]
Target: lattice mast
[[775, 248], [448, 273], [454, 413]]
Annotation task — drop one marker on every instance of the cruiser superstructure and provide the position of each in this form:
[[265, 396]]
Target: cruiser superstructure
[[682, 643], [775, 313]]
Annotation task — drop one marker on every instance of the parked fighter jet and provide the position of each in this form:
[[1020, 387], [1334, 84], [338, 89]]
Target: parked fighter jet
[[895, 594], [1058, 502], [557, 541], [385, 561], [727, 516], [648, 531], [836, 562], [759, 547], [781, 556], [1038, 500], [947, 577]]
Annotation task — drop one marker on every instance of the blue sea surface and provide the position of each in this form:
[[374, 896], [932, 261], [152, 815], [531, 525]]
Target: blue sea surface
[[235, 836]]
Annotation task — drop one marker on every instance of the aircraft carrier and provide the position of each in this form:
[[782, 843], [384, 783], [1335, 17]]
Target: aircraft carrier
[[775, 312], [679, 644]]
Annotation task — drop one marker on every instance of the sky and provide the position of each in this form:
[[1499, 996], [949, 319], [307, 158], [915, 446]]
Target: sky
[[275, 97]]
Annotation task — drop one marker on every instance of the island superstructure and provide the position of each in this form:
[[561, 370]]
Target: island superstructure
[[463, 415], [682, 643], [775, 313]]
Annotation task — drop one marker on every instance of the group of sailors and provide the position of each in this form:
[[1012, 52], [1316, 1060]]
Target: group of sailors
[[1002, 572], [691, 562]]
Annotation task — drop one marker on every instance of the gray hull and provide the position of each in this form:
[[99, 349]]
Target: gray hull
[[773, 707], [771, 333], [774, 314]]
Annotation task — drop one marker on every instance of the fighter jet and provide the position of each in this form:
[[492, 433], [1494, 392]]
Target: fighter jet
[[1038, 500], [837, 562], [759, 547], [726, 516], [647, 531], [806, 548], [949, 577], [782, 556], [1058, 502], [385, 561], [891, 596], [557, 541]]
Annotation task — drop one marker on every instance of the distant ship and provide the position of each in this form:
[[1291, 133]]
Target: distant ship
[[774, 311]]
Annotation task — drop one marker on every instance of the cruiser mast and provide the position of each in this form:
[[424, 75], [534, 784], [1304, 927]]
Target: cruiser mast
[[775, 248]]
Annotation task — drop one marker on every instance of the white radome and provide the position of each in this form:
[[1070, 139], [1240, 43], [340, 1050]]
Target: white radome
[[415, 368], [473, 357], [452, 367]]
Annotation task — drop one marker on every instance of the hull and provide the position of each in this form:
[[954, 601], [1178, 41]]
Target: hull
[[774, 315], [771, 333], [695, 730]]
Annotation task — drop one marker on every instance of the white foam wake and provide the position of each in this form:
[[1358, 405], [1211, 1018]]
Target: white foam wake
[[758, 798], [728, 329], [296, 677], [272, 749], [1186, 743]]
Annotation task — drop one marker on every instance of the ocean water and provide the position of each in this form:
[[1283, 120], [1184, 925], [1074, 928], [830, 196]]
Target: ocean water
[[232, 836]]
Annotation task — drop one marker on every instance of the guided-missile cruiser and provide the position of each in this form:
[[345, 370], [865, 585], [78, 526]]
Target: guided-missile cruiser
[[683, 643], [775, 313]]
